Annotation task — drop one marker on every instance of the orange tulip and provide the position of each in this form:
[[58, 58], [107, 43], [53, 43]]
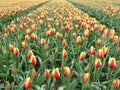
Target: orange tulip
[[111, 34], [67, 71], [33, 27], [42, 41], [34, 36], [78, 40], [116, 83], [64, 53], [33, 73], [86, 33], [30, 53], [97, 63], [105, 50], [56, 73], [27, 83], [99, 42], [82, 56], [24, 45], [74, 35], [16, 51], [83, 24], [64, 43], [46, 73], [27, 37], [28, 31], [100, 53], [33, 60], [11, 47], [112, 62], [92, 50], [86, 77]]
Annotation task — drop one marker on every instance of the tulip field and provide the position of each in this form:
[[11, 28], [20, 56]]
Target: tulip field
[[60, 45]]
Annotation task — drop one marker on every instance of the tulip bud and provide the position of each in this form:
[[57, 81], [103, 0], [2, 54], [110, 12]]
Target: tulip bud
[[46, 73], [82, 56], [27, 83], [86, 77], [92, 50], [33, 60], [28, 31], [86, 33], [67, 71], [42, 41], [74, 35], [97, 63], [105, 50], [56, 73], [33, 73], [34, 36], [100, 53], [99, 42], [13, 70], [116, 83], [78, 40], [27, 37], [24, 45], [16, 51], [11, 47], [64, 43], [64, 53], [30, 53], [8, 85], [112, 62]]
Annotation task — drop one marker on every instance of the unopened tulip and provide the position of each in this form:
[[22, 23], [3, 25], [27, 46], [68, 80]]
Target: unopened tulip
[[105, 50], [112, 62], [92, 50], [97, 63], [99, 42], [116, 83], [30, 53], [28, 32], [27, 37], [42, 41], [11, 47], [78, 40], [33, 73], [34, 36], [64, 53], [74, 35], [100, 53], [33, 60], [86, 33], [27, 83], [46, 73], [86, 77], [82, 56], [24, 45], [64, 43], [56, 73], [67, 71], [16, 51]]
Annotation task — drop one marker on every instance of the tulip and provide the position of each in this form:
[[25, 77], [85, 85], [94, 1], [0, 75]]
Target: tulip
[[30, 53], [64, 53], [100, 53], [105, 50], [46, 73], [27, 37], [97, 63], [16, 51], [67, 71], [92, 50], [112, 62], [33, 60], [74, 35], [99, 42], [33, 27], [86, 77], [42, 41], [27, 83], [34, 36], [11, 47], [86, 33], [82, 56], [28, 31], [8, 85], [24, 45], [33, 73], [83, 24], [78, 40], [64, 43], [116, 83], [56, 73]]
